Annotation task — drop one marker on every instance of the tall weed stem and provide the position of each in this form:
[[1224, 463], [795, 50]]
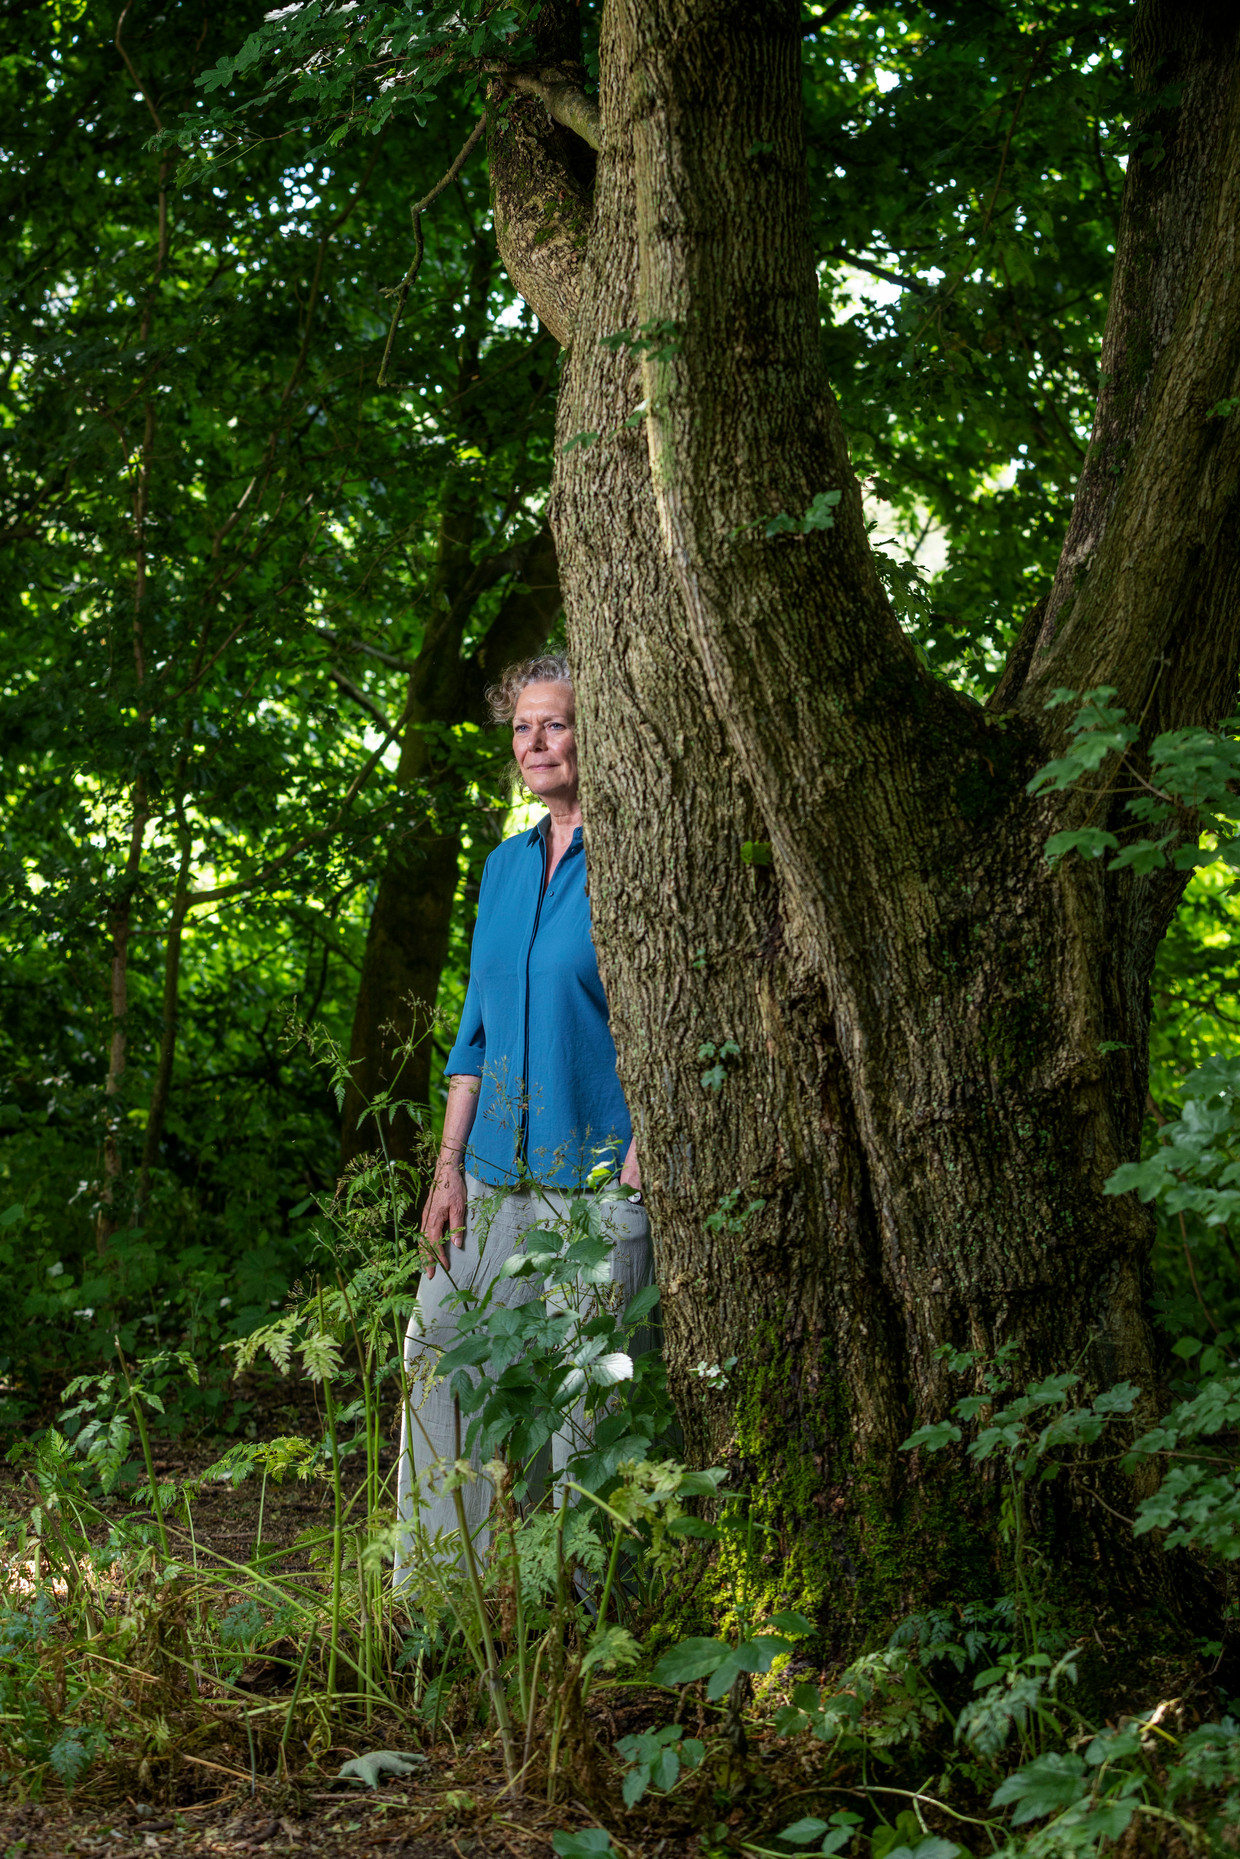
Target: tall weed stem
[[135, 1407]]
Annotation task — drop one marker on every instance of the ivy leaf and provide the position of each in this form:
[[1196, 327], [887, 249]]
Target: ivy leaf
[[821, 513]]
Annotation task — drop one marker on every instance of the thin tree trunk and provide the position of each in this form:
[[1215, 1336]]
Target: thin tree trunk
[[119, 924], [120, 917], [162, 1086]]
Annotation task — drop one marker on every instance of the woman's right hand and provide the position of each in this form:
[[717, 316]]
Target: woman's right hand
[[443, 1217]]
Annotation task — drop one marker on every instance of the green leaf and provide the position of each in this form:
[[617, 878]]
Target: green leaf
[[753, 1655], [789, 1622], [608, 1371], [934, 1437], [1042, 1787], [695, 1527], [1111, 1745], [756, 852], [1089, 841], [641, 1305], [886, 1840], [691, 1659], [590, 1843], [634, 1785], [821, 512], [665, 1771], [801, 1832]]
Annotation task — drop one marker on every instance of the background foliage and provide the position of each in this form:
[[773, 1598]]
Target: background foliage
[[221, 536]]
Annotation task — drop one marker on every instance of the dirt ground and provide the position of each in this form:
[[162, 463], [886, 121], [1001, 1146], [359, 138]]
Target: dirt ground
[[455, 1807], [399, 1823]]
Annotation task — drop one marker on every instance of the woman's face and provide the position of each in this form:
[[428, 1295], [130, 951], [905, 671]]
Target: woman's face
[[543, 741]]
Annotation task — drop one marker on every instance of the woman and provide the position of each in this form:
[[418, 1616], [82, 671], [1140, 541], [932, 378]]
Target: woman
[[534, 1106]]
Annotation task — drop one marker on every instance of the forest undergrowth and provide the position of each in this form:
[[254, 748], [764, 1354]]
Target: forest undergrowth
[[251, 1651]]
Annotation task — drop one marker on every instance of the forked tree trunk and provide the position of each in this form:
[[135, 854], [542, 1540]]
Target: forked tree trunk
[[941, 1041]]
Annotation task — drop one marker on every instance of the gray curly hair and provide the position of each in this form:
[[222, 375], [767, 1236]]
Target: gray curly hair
[[549, 668]]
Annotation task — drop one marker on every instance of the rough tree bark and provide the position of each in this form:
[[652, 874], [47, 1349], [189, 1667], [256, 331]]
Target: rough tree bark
[[941, 1040]]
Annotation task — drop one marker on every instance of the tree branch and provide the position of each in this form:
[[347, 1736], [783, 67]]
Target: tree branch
[[361, 645], [541, 151], [417, 210], [1146, 597], [878, 271], [359, 697], [564, 103]]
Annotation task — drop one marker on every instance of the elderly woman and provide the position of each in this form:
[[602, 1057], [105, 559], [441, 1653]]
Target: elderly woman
[[534, 1104]]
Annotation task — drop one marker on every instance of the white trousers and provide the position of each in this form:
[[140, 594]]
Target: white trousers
[[495, 1224]]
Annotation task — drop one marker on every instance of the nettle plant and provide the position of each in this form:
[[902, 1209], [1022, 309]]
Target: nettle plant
[[524, 1631], [1088, 1784], [573, 1565], [1058, 1785], [1196, 1165]]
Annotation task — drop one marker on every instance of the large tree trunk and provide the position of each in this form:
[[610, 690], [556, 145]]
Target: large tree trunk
[[940, 1040]]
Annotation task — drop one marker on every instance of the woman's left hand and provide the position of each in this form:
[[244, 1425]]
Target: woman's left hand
[[631, 1174]]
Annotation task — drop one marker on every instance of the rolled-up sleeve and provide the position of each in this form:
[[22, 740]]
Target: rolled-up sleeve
[[534, 1030], [469, 1052], [468, 1055]]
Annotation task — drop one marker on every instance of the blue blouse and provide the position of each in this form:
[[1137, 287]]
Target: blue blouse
[[535, 1025]]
